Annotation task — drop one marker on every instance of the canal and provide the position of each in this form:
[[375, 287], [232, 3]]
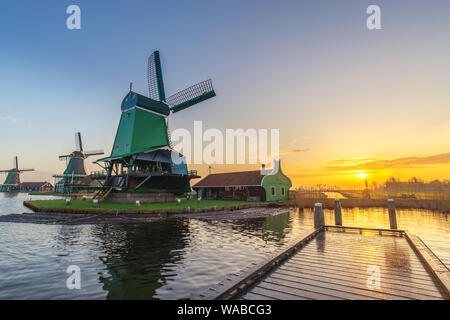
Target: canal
[[167, 259]]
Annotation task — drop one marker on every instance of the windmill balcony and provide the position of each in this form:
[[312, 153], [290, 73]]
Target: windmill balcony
[[98, 174]]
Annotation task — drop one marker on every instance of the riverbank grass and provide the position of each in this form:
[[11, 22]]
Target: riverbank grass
[[87, 205]]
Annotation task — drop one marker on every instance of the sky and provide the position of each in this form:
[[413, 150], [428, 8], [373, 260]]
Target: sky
[[346, 99]]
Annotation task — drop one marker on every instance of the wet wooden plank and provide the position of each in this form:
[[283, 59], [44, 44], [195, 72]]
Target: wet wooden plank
[[408, 265], [384, 270], [330, 288], [334, 264], [317, 292], [348, 261], [402, 260], [276, 294], [358, 283], [295, 292], [399, 261], [350, 270], [255, 296], [365, 254], [400, 277], [362, 278]]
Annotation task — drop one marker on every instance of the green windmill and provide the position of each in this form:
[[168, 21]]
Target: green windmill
[[12, 182], [142, 160]]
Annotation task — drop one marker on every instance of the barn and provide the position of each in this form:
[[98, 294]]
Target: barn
[[257, 185], [36, 186]]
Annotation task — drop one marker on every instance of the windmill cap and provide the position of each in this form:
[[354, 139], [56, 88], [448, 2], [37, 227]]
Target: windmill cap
[[133, 99]]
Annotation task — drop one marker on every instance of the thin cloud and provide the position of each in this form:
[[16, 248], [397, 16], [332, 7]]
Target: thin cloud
[[400, 163], [352, 161], [12, 120], [286, 152]]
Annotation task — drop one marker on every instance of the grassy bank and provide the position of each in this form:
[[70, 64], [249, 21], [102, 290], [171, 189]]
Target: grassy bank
[[86, 206]]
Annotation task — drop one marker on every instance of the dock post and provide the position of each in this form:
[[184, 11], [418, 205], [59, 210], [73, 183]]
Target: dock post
[[392, 214], [319, 219], [337, 212]]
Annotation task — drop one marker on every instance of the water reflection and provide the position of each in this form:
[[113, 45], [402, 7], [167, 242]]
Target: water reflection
[[274, 228], [397, 256], [320, 243], [174, 258], [138, 259]]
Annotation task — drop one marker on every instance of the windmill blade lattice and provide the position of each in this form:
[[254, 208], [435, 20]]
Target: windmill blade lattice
[[64, 157], [154, 78], [78, 143], [188, 97]]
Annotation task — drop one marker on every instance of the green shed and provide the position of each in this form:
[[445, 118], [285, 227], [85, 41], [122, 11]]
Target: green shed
[[276, 184]]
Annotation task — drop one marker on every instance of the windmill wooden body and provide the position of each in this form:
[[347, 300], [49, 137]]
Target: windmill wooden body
[[142, 160], [12, 181]]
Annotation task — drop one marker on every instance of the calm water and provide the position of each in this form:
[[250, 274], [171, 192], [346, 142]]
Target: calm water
[[335, 195], [168, 259], [13, 202]]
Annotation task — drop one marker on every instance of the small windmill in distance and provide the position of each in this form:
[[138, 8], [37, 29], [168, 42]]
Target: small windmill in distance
[[12, 182], [75, 172]]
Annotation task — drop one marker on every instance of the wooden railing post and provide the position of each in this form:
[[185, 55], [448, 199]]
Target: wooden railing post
[[337, 212], [392, 214], [319, 218]]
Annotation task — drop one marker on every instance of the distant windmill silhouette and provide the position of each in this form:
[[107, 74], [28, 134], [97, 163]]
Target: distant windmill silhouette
[[12, 182]]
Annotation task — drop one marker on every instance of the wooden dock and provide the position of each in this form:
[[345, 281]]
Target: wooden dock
[[335, 262], [332, 264]]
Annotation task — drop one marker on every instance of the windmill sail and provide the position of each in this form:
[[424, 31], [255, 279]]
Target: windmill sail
[[93, 153], [78, 143], [188, 97], [16, 166], [154, 78]]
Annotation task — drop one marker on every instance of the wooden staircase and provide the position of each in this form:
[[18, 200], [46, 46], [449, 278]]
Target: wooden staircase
[[103, 193]]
